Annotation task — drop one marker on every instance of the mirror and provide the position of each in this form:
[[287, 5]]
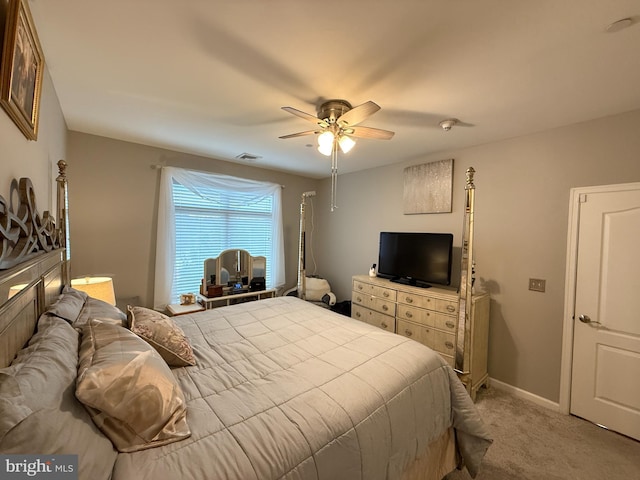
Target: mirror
[[233, 267], [211, 271]]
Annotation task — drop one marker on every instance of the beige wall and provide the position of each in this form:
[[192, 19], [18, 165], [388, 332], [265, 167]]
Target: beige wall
[[522, 200], [35, 160], [113, 194]]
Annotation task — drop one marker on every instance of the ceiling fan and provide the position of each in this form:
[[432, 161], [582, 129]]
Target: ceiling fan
[[336, 123], [340, 119]]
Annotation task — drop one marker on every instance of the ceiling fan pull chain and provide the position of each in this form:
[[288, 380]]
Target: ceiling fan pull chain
[[334, 175]]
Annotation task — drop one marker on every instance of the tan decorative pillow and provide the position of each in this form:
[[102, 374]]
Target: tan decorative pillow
[[128, 389], [163, 334]]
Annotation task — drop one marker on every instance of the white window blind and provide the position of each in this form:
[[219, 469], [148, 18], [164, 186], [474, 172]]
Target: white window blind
[[207, 226]]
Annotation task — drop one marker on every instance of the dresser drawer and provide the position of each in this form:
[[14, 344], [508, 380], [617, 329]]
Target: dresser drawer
[[388, 307], [422, 301], [375, 290], [427, 317], [441, 342], [419, 333], [373, 318]]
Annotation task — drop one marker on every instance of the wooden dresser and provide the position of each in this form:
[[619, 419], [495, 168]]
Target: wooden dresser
[[429, 316]]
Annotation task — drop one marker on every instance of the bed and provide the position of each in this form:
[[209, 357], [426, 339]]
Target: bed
[[273, 389]]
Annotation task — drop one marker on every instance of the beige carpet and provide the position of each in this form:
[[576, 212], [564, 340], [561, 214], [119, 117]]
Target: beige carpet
[[533, 442]]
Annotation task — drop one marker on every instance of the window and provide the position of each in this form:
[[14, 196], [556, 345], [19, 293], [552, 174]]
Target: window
[[202, 214]]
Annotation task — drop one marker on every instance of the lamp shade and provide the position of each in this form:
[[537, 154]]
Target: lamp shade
[[96, 287], [346, 143], [325, 143]]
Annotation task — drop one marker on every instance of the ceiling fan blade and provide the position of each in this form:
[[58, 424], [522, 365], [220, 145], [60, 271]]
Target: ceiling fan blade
[[306, 116], [368, 132], [300, 134], [358, 114]]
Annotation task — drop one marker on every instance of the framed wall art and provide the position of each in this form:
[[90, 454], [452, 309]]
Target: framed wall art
[[427, 187], [21, 69]]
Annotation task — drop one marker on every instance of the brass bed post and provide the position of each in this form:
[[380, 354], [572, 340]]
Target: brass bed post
[[302, 273], [462, 360], [302, 287], [62, 215]]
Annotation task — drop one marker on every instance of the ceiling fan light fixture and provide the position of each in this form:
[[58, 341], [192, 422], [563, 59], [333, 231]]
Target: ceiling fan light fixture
[[346, 143], [324, 150], [325, 143], [337, 121]]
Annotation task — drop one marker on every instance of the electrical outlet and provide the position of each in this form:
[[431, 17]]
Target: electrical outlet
[[537, 285]]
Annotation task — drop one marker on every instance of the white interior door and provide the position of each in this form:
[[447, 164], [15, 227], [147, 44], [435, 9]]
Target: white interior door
[[605, 375]]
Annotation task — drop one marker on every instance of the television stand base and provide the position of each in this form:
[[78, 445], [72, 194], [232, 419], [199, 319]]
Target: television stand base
[[410, 281]]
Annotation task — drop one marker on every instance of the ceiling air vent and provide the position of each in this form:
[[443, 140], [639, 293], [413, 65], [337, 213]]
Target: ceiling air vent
[[248, 157]]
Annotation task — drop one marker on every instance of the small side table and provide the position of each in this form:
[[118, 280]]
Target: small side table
[[175, 309]]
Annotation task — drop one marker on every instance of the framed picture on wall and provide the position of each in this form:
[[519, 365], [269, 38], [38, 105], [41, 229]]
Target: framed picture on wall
[[21, 69]]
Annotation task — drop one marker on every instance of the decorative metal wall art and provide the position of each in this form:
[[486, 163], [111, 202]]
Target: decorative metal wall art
[[428, 187]]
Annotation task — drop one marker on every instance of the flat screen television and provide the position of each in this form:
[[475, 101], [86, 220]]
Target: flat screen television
[[416, 258]]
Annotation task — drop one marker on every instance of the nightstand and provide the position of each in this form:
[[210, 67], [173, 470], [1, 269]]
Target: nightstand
[[175, 309]]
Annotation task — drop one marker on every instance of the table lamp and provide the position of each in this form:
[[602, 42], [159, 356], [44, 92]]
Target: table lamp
[[96, 287]]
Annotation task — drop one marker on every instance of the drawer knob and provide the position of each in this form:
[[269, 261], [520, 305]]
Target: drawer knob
[[408, 315], [385, 307], [451, 308], [450, 324], [409, 300], [449, 345], [384, 325], [408, 332]]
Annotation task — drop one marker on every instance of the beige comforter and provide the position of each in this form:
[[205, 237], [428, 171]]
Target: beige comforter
[[284, 389]]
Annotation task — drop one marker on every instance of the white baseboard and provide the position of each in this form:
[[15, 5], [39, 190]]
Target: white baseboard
[[518, 392]]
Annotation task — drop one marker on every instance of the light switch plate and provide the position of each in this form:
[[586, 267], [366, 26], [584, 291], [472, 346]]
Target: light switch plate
[[537, 284]]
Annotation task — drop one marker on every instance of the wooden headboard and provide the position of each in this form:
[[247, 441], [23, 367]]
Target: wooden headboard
[[33, 262]]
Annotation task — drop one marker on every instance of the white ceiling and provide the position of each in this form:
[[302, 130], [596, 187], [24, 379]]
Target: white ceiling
[[209, 77]]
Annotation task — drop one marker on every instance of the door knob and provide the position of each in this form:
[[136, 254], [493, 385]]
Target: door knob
[[586, 319]]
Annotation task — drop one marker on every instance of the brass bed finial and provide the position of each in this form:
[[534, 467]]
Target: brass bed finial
[[470, 172]]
